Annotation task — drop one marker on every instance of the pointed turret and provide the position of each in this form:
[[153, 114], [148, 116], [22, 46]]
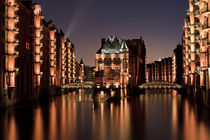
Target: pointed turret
[[124, 45], [81, 62]]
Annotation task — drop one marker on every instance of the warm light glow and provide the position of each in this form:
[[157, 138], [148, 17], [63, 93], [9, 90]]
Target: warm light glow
[[11, 32], [11, 12], [52, 36], [38, 33], [37, 21], [37, 69], [37, 10], [11, 36], [38, 44], [11, 82]]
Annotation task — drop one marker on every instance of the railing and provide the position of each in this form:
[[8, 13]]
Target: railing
[[205, 10], [205, 26], [197, 25], [197, 12], [206, 41], [197, 39]]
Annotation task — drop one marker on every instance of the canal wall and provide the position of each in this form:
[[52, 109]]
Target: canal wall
[[12, 96], [115, 93], [201, 96]]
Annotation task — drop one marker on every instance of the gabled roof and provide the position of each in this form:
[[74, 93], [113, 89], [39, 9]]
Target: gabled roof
[[99, 51]]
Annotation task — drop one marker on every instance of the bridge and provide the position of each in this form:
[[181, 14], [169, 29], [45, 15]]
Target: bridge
[[83, 85], [160, 85]]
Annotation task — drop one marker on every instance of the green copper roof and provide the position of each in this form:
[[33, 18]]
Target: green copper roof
[[113, 45], [124, 45]]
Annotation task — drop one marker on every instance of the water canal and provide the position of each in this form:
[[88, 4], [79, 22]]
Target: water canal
[[163, 115]]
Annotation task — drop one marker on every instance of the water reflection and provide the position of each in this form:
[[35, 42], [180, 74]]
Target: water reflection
[[38, 125], [156, 114]]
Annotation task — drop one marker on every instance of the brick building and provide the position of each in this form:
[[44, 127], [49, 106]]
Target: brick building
[[196, 44], [178, 65], [32, 53], [160, 70], [81, 71], [120, 63], [2, 44], [137, 56]]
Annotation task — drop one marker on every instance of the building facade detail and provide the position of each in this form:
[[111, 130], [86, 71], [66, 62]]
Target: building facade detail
[[11, 42], [29, 64], [112, 61], [196, 44], [37, 45]]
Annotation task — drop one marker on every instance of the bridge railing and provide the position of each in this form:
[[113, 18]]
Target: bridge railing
[[160, 85]]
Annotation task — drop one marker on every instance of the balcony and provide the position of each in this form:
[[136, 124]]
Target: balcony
[[53, 53], [15, 18], [205, 27], [15, 54], [197, 39], [53, 47], [40, 61], [38, 53], [52, 59], [15, 6], [197, 26], [205, 42], [197, 51], [14, 70], [197, 12], [205, 12], [52, 66], [188, 12], [15, 30], [38, 28], [196, 1]]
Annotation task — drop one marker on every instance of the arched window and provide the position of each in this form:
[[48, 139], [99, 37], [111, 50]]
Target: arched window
[[107, 61], [117, 61], [100, 60]]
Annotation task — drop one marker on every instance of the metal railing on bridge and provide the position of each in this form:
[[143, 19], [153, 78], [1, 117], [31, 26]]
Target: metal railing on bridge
[[83, 85], [160, 85]]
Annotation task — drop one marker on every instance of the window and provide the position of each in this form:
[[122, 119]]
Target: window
[[117, 61], [100, 61], [107, 61]]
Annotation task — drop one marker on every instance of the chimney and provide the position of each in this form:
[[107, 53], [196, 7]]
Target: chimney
[[102, 41]]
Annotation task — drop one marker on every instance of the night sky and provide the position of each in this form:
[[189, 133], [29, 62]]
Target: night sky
[[85, 22]]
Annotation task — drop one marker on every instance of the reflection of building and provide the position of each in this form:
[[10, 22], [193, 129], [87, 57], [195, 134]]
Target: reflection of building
[[120, 63], [160, 70], [33, 55], [196, 44]]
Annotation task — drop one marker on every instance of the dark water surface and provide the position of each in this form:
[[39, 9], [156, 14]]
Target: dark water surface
[[74, 116]]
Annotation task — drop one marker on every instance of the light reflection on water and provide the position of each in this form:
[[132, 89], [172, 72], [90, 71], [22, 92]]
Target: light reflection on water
[[154, 115]]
